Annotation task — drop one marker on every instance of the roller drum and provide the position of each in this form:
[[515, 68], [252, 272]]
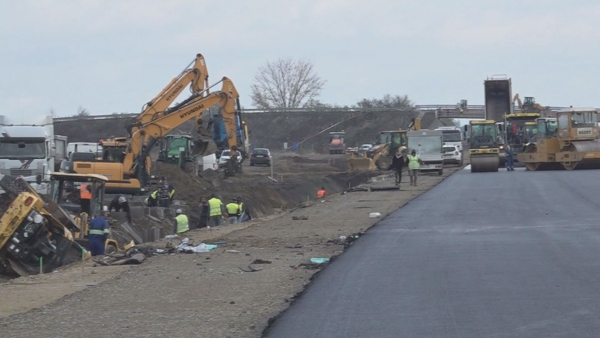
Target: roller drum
[[484, 163]]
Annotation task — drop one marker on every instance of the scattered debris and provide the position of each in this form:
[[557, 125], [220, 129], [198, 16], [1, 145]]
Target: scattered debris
[[249, 269], [375, 215], [299, 218], [297, 246], [384, 188], [260, 261], [232, 251]]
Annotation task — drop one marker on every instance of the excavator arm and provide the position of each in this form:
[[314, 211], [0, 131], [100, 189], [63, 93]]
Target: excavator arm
[[195, 75], [145, 135], [517, 99]]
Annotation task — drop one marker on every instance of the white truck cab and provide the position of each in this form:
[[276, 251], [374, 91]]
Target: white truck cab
[[31, 150], [452, 136]]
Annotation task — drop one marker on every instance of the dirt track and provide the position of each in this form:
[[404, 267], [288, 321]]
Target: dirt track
[[208, 295]]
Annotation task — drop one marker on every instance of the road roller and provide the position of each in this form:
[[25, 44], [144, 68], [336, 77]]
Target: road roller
[[484, 148], [569, 141]]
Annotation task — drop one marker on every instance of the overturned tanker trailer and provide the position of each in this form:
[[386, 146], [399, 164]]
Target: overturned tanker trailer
[[569, 141]]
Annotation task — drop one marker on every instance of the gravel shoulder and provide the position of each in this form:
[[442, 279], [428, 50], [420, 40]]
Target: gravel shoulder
[[207, 295]]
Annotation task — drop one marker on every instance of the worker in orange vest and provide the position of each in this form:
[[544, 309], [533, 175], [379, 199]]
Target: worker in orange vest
[[85, 197], [321, 193]]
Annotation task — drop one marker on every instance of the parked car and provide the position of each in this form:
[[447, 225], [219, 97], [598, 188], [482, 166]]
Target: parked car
[[225, 156], [365, 147], [452, 155], [260, 156]]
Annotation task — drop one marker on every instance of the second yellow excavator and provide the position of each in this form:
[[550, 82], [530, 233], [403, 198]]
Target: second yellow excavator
[[126, 161]]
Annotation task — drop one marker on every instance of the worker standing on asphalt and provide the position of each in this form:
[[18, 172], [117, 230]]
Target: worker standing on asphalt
[[85, 197], [120, 203], [414, 165], [509, 158], [98, 233], [182, 224], [321, 193], [215, 206], [233, 209], [398, 163]]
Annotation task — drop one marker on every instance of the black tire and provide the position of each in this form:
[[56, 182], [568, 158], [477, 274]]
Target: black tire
[[441, 172], [383, 163]]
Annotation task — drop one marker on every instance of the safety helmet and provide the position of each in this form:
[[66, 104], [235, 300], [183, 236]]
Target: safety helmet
[[178, 211], [122, 199]]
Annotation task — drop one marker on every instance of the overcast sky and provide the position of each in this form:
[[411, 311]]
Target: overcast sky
[[113, 56]]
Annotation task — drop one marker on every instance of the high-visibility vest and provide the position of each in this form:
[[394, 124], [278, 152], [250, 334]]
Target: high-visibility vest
[[413, 162], [154, 194], [214, 205], [240, 208], [182, 223], [84, 194], [232, 208], [321, 193], [172, 193]]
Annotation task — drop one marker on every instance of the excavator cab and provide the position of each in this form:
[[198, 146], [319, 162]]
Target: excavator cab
[[484, 146], [529, 103]]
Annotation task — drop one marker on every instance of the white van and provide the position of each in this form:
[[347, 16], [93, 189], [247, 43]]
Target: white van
[[451, 136]]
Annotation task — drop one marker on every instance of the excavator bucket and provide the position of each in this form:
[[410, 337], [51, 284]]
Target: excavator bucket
[[204, 146]]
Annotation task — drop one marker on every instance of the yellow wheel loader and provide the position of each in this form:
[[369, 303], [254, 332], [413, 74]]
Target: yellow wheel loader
[[484, 149], [569, 141], [380, 156]]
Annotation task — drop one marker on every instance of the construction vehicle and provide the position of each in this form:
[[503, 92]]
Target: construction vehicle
[[386, 145], [36, 235], [484, 146], [177, 150], [530, 106], [31, 150], [126, 161], [498, 103], [70, 201], [451, 136], [568, 142], [336, 142], [428, 145]]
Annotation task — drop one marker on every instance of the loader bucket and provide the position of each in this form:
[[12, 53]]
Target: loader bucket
[[485, 163], [361, 164]]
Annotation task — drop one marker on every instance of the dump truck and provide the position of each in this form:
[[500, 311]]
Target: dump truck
[[428, 145], [336, 142], [569, 141], [484, 148], [498, 103]]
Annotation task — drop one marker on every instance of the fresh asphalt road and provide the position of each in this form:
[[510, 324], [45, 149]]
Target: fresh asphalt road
[[507, 254]]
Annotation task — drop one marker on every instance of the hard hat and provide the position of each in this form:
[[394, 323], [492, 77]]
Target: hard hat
[[122, 199], [178, 211]]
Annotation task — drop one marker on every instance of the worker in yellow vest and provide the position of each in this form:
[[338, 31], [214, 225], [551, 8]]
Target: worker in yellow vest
[[233, 210], [181, 223], [215, 206], [414, 165]]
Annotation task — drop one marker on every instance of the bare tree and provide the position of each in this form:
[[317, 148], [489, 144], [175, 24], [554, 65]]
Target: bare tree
[[388, 101], [286, 83], [82, 112]]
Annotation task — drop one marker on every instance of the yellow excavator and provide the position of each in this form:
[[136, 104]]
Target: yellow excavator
[[484, 146], [126, 161], [569, 141], [380, 155], [529, 106]]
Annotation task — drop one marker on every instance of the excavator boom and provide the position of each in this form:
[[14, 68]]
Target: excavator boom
[[195, 75]]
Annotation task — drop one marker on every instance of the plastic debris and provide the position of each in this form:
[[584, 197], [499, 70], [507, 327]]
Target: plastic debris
[[318, 260], [184, 247], [171, 236], [374, 215]]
